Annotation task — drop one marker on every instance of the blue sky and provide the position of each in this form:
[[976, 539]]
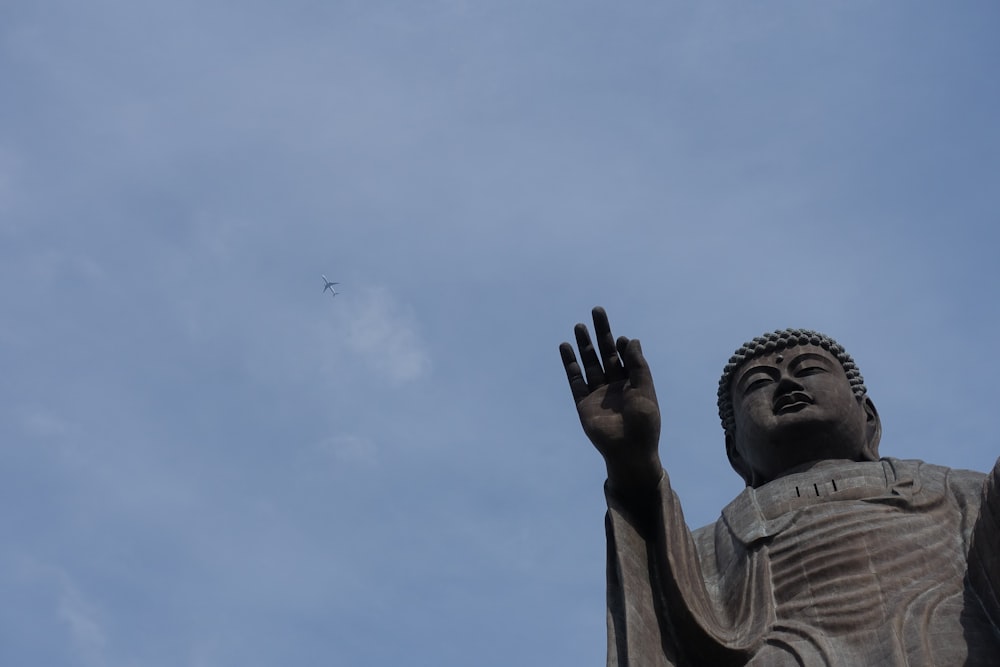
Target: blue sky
[[206, 461]]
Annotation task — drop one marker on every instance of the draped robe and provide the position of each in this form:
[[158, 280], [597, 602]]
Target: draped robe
[[876, 563]]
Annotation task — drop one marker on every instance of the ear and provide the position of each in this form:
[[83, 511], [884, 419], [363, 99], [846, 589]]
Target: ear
[[737, 461], [873, 429]]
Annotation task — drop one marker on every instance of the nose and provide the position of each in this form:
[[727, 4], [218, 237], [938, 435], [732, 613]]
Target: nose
[[787, 384]]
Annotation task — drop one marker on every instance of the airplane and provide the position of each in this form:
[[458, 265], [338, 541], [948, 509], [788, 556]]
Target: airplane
[[330, 286]]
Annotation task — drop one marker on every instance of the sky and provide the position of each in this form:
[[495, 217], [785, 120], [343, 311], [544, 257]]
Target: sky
[[207, 461]]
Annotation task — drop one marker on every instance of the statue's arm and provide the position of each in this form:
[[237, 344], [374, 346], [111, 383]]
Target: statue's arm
[[659, 607], [984, 551], [663, 595], [639, 632]]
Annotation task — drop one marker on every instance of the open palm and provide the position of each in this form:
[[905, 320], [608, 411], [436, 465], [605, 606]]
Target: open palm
[[615, 399]]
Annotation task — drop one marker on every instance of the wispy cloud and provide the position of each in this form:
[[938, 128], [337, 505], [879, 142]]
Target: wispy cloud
[[349, 449], [385, 334], [83, 621], [79, 616], [41, 423]]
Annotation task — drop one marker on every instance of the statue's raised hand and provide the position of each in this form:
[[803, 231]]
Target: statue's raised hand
[[617, 404]]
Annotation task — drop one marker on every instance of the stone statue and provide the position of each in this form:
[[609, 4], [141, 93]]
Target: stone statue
[[830, 555]]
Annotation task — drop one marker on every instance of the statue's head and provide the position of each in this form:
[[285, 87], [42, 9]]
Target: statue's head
[[793, 397]]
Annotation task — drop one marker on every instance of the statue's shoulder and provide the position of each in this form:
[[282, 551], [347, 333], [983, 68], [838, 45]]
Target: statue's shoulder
[[930, 474]]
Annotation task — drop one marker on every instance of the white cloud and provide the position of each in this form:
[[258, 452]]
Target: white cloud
[[73, 610], [386, 336], [84, 624], [38, 422], [349, 449]]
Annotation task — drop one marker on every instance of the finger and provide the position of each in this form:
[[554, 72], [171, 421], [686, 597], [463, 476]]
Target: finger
[[613, 370], [588, 355], [577, 385], [639, 374], [621, 344]]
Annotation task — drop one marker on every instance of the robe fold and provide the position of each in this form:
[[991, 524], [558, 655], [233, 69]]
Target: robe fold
[[876, 563]]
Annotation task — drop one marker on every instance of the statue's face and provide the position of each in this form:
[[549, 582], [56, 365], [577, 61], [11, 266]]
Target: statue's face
[[795, 406]]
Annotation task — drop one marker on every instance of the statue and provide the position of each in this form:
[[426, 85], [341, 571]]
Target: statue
[[831, 555]]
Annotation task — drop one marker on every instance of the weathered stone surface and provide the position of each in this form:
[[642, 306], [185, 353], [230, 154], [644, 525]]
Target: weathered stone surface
[[830, 556]]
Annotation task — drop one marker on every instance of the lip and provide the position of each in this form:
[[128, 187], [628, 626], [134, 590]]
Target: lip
[[792, 403]]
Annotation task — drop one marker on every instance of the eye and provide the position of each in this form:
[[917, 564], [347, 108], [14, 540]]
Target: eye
[[757, 384], [809, 370]]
